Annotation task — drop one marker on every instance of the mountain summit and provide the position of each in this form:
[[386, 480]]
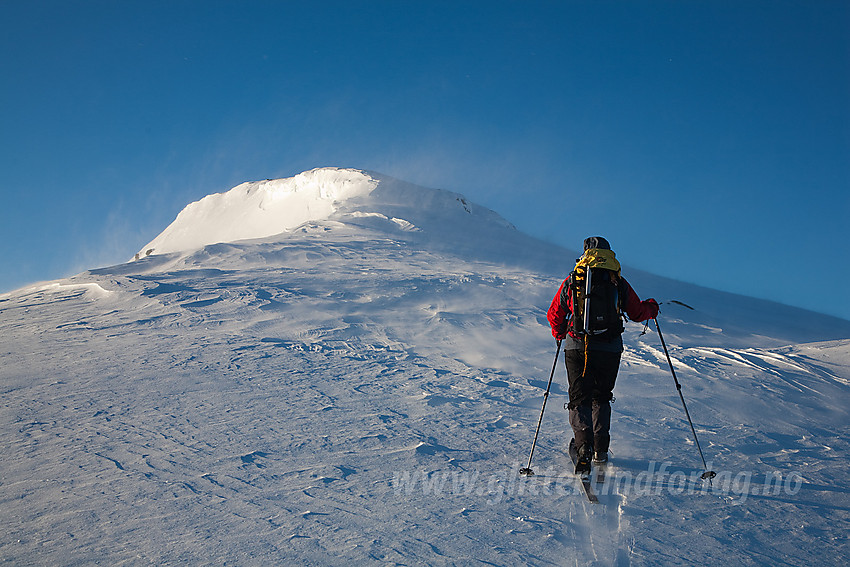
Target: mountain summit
[[262, 209]]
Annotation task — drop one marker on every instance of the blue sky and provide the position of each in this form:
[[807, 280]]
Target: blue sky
[[709, 141]]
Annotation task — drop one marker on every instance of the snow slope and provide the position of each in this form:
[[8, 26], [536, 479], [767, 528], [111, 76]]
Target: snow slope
[[359, 384]]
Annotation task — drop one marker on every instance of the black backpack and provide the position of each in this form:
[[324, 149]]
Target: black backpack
[[597, 296]]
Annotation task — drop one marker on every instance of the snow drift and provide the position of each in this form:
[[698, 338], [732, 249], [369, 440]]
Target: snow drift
[[357, 380]]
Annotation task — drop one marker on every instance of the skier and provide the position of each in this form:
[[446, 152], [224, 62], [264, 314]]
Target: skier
[[592, 352]]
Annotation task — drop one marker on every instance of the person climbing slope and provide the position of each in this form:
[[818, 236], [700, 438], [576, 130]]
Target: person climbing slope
[[587, 315]]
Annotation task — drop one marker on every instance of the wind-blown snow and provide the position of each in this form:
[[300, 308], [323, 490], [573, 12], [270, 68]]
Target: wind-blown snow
[[362, 387]]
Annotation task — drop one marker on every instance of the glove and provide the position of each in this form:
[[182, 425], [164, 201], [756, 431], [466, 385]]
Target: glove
[[653, 307], [559, 334]]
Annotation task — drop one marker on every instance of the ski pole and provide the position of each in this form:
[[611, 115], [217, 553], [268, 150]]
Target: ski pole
[[527, 470], [707, 474]]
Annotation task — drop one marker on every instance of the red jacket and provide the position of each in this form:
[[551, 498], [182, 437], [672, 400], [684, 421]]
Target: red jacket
[[559, 310]]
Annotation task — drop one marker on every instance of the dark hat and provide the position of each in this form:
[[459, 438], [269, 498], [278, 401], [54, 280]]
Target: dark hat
[[596, 242]]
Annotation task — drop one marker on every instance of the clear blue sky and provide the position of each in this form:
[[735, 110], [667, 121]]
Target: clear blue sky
[[708, 140]]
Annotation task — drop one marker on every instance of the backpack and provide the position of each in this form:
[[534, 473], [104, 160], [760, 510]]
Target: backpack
[[596, 296]]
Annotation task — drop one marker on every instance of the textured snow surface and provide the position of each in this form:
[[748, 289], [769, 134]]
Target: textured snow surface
[[363, 387]]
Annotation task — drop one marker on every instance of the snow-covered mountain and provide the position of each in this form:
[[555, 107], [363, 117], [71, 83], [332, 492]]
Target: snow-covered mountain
[[343, 368], [269, 208]]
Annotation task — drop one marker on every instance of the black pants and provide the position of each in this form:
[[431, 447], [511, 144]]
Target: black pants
[[591, 391]]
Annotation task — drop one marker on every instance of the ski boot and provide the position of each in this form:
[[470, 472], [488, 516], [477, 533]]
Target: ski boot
[[583, 456]]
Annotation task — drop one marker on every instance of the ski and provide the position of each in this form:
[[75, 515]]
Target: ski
[[600, 473], [584, 477]]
